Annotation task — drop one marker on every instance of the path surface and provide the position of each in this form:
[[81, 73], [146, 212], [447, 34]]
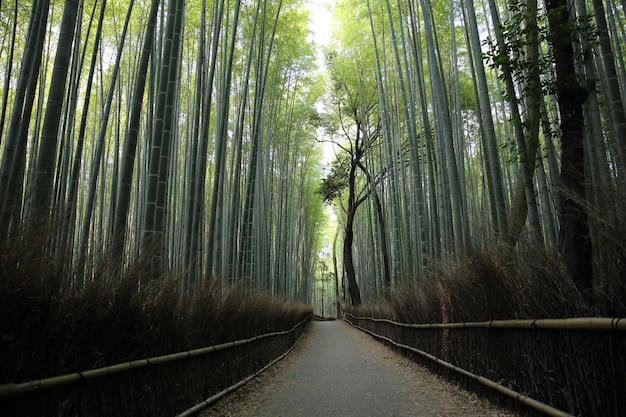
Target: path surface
[[341, 372]]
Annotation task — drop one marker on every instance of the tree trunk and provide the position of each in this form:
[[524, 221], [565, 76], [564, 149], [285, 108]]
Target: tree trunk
[[574, 239], [613, 96], [99, 146], [383, 243], [8, 70], [336, 273], [217, 194], [129, 153], [348, 260], [451, 182], [46, 158], [524, 204], [14, 154], [380, 218], [489, 140], [160, 148]]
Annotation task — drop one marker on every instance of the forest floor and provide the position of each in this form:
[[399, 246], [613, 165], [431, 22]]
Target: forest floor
[[342, 372]]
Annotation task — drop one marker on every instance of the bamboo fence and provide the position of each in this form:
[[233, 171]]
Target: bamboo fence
[[203, 404], [577, 323], [13, 389], [580, 323]]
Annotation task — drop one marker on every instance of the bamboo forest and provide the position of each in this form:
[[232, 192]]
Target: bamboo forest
[[172, 166]]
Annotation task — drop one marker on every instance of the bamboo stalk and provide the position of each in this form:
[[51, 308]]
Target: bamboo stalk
[[11, 390], [531, 402], [576, 323]]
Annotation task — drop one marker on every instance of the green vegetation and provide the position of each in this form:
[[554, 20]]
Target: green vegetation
[[141, 141], [47, 333], [186, 131], [493, 131], [158, 169], [572, 370]]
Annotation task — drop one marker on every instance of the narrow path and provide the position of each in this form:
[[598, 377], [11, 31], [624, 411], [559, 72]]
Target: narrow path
[[339, 371]]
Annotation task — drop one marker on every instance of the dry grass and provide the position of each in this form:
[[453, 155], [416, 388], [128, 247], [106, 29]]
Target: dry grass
[[579, 372], [49, 328]]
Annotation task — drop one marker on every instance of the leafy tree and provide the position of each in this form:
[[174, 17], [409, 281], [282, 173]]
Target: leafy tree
[[343, 178], [359, 130], [333, 185]]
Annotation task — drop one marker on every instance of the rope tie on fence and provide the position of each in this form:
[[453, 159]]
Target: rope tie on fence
[[616, 323]]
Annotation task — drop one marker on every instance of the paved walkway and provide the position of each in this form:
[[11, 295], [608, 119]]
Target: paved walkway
[[340, 371]]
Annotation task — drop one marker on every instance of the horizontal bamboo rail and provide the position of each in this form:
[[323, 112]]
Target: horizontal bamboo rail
[[537, 405], [203, 404], [13, 389], [577, 323]]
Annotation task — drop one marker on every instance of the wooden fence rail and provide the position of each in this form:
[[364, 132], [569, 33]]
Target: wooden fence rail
[[211, 400], [581, 323], [13, 389], [577, 323]]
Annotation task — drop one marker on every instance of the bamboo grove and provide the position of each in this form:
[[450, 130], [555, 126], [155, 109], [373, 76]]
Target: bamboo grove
[[187, 134], [489, 124], [180, 133]]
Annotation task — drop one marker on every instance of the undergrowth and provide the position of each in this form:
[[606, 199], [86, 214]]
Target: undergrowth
[[581, 372], [49, 326]]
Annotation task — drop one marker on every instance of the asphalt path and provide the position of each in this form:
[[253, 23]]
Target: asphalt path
[[340, 371]]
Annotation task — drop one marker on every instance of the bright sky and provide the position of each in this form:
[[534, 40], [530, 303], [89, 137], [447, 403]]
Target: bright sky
[[321, 16]]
